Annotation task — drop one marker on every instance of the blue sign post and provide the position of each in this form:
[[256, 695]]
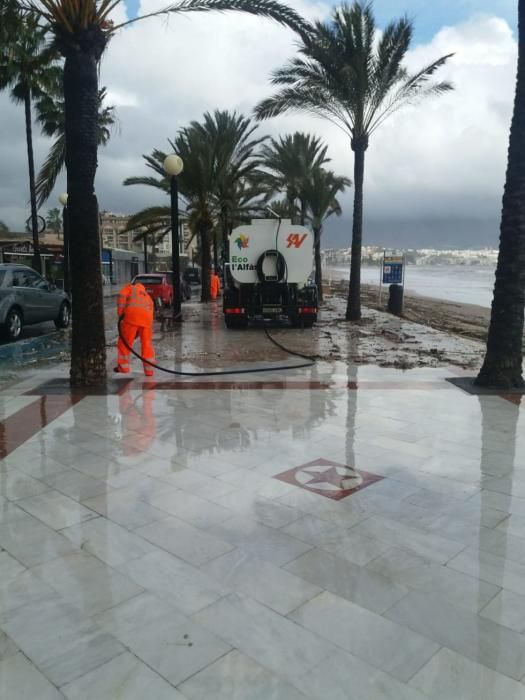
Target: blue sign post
[[392, 271]]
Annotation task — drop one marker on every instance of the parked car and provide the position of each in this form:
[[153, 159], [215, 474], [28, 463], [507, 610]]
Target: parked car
[[27, 298], [192, 275], [159, 285]]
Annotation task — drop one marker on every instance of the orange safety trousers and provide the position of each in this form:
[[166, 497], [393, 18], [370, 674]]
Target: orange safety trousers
[[215, 286], [129, 333]]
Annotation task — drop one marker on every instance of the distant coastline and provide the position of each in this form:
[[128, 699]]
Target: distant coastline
[[462, 283]]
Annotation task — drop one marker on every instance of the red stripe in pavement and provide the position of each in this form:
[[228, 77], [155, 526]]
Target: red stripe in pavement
[[22, 425]]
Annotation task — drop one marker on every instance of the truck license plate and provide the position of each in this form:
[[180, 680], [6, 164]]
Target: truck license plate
[[272, 309]]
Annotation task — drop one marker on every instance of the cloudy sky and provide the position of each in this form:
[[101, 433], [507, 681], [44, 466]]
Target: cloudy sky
[[434, 172]]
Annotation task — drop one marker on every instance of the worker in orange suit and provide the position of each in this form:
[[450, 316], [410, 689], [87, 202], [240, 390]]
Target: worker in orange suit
[[215, 285], [135, 312]]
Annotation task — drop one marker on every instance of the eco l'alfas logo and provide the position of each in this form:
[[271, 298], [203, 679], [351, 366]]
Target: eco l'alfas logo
[[242, 241]]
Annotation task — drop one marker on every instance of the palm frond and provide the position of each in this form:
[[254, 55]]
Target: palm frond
[[50, 170], [262, 8]]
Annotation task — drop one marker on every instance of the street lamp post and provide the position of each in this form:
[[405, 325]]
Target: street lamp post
[[173, 165], [65, 223], [145, 253]]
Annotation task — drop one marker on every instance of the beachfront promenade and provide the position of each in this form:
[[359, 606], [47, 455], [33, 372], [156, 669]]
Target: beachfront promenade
[[325, 533]]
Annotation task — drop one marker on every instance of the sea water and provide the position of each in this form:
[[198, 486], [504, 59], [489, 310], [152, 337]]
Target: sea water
[[467, 284]]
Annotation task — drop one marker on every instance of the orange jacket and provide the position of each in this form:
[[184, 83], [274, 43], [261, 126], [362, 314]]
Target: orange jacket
[[134, 303], [215, 285]]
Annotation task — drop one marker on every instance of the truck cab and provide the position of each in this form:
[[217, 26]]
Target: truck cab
[[266, 277]]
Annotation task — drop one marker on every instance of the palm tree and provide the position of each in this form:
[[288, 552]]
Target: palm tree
[[220, 184], [503, 363], [320, 195], [353, 77], [291, 160], [54, 220], [236, 162], [50, 110], [82, 31], [26, 67]]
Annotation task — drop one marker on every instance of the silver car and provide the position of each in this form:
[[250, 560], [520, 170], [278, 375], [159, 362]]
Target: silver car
[[27, 298]]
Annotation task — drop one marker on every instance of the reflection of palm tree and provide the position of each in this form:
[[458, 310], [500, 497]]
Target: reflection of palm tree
[[487, 447]]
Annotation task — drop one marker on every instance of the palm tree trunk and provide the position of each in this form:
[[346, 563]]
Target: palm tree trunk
[[37, 262], [225, 232], [205, 263], [303, 211], [88, 352], [353, 308], [215, 254], [503, 361], [318, 267]]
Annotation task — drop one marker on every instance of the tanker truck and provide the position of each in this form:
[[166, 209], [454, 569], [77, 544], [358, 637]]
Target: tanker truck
[[267, 276]]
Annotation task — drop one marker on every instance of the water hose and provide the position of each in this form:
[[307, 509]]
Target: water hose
[[309, 363]]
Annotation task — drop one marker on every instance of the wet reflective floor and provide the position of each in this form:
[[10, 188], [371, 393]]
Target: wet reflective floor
[[333, 534]]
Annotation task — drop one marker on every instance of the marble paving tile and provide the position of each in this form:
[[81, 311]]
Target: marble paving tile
[[14, 485], [512, 485], [236, 676], [513, 525], [416, 572], [41, 466], [507, 609], [379, 642], [463, 631], [76, 485], [125, 510], [247, 480], [59, 640], [31, 542], [10, 511], [144, 488], [264, 510], [342, 673], [199, 484], [7, 648], [499, 501], [348, 580], [19, 586], [343, 514], [185, 541], [308, 528], [450, 675], [261, 580], [190, 508], [175, 581], [20, 680], [124, 677], [489, 567], [166, 640], [497, 541], [86, 582], [279, 644], [420, 542], [56, 510], [261, 541], [107, 541]]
